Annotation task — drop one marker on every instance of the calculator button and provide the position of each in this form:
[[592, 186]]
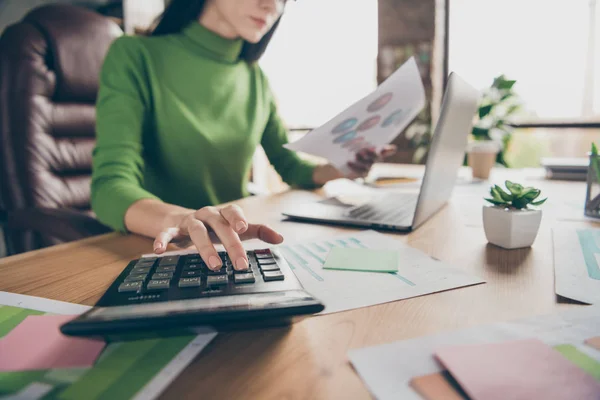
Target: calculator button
[[140, 270], [245, 271], [264, 255], [130, 286], [216, 280], [193, 260], [270, 267], [265, 261], [168, 268], [156, 284], [168, 260], [189, 274], [262, 251], [144, 263], [162, 275], [135, 277], [272, 276], [244, 278], [222, 271], [192, 267], [190, 282]]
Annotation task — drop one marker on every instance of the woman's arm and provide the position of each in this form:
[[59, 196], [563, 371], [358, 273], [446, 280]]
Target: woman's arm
[[118, 196]]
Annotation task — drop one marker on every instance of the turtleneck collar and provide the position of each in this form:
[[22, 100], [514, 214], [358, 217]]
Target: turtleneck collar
[[220, 48]]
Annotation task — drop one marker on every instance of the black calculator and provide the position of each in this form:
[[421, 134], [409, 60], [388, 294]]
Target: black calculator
[[174, 293]]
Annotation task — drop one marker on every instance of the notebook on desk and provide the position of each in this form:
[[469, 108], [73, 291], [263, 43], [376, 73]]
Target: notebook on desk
[[566, 168]]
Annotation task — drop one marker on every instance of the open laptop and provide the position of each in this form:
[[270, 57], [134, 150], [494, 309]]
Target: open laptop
[[407, 211]]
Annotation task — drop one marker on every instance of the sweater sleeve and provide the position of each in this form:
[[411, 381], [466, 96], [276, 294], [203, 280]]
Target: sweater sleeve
[[121, 115], [293, 170]]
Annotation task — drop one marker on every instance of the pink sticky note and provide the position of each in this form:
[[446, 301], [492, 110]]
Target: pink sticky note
[[523, 369], [36, 343]]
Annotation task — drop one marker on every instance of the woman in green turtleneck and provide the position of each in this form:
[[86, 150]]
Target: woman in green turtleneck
[[179, 116]]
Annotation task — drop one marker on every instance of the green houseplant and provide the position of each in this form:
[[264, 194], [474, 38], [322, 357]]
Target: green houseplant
[[497, 107], [592, 196], [511, 220]]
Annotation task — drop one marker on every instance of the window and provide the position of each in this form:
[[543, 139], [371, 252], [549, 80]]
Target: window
[[322, 59], [552, 49]]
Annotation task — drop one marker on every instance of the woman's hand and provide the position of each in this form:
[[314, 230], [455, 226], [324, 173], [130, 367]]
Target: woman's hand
[[209, 225], [366, 158], [359, 168]]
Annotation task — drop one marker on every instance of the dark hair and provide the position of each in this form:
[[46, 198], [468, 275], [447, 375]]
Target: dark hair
[[180, 13]]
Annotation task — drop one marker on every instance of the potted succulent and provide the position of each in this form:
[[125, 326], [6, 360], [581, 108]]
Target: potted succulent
[[492, 131], [512, 221]]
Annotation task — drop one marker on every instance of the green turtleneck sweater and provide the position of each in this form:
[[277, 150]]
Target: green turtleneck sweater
[[179, 118]]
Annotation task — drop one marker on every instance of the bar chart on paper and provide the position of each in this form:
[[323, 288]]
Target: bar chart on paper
[[418, 274], [577, 264], [122, 371]]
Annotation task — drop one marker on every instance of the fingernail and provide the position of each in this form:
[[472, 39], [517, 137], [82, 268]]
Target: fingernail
[[157, 246], [281, 237], [241, 264], [240, 226], [214, 262]]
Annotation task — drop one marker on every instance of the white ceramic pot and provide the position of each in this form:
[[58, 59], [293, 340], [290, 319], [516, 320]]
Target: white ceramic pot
[[509, 228]]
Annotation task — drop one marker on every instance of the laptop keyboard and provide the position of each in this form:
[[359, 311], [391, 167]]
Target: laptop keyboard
[[395, 209]]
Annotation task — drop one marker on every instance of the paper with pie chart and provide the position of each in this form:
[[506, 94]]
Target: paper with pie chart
[[372, 122]]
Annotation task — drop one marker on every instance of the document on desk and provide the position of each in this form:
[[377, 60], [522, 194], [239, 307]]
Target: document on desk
[[577, 264], [418, 274], [373, 121], [129, 370], [388, 369]]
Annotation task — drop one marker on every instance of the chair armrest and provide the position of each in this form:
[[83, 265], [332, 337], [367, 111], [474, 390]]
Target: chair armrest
[[63, 224]]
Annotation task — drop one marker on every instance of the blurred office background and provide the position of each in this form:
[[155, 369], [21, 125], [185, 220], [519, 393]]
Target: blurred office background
[[329, 53]]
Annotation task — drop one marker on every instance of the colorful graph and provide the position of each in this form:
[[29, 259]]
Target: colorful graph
[[393, 119], [121, 371], [298, 256], [381, 102], [588, 240], [345, 137], [353, 142], [344, 126], [369, 123]]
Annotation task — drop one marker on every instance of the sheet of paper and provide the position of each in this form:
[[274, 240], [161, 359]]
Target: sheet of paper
[[594, 342], [140, 370], [387, 369], [519, 370], [371, 122], [577, 264], [437, 386], [418, 274], [582, 360], [362, 260], [22, 349]]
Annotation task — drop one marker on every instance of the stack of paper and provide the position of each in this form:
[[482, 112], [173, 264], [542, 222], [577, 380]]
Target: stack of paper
[[548, 357], [37, 362]]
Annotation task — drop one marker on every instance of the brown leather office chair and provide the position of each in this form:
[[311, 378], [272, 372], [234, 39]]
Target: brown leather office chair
[[49, 66]]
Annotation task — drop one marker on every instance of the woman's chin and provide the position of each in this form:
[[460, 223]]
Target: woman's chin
[[253, 37]]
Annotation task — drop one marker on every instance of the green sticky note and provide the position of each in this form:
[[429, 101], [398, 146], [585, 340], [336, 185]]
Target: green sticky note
[[582, 360], [362, 260]]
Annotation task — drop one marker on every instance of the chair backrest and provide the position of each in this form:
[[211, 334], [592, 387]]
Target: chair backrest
[[49, 67]]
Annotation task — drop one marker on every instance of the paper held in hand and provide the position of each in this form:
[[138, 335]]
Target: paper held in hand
[[373, 121]]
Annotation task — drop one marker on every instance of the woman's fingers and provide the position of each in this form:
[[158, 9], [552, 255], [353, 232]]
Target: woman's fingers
[[262, 232], [234, 215], [164, 238], [199, 235], [230, 240], [388, 150]]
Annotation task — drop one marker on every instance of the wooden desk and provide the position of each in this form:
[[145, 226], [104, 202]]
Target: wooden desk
[[309, 360]]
